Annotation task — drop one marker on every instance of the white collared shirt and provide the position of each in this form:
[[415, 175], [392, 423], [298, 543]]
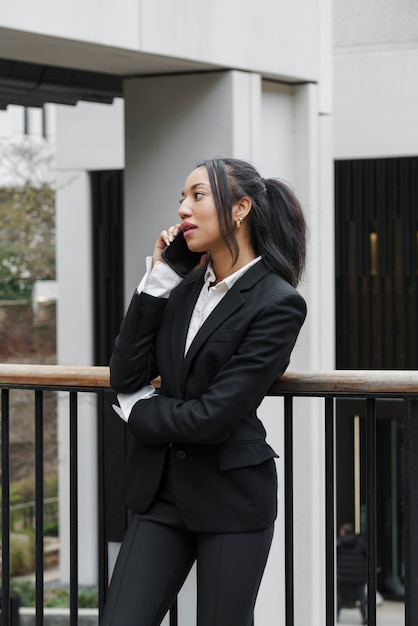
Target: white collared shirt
[[210, 296]]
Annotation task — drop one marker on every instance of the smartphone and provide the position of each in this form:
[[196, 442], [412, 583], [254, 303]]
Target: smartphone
[[179, 257]]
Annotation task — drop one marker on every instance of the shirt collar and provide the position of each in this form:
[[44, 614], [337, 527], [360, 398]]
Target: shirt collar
[[230, 280]]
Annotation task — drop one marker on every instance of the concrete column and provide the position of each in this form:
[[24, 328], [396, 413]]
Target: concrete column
[[75, 347], [89, 137], [296, 147]]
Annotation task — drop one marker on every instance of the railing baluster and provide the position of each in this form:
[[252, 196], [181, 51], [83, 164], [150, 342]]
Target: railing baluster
[[173, 621], [102, 547], [73, 510], [329, 513], [5, 506], [288, 527], [411, 509], [371, 511], [39, 505]]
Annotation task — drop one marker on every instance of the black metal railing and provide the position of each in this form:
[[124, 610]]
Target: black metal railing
[[41, 379], [369, 385]]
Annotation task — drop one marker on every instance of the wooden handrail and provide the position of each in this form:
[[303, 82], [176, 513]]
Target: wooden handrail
[[342, 382], [337, 382], [53, 375]]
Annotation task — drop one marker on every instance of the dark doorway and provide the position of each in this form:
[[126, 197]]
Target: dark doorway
[[376, 204], [376, 220], [107, 207]]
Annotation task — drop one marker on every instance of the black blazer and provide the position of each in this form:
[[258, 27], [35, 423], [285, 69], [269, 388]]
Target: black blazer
[[223, 470]]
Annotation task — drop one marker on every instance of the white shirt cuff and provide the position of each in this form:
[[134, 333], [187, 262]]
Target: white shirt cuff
[[127, 400], [159, 280]]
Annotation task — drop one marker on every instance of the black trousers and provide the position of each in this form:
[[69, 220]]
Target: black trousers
[[155, 559]]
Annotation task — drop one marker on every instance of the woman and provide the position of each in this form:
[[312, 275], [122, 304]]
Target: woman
[[200, 477]]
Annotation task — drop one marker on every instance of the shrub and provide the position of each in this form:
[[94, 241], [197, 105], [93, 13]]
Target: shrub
[[25, 590], [22, 492], [22, 554], [51, 529], [88, 598], [54, 597]]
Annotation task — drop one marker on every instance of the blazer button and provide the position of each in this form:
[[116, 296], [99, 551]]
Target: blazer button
[[181, 455]]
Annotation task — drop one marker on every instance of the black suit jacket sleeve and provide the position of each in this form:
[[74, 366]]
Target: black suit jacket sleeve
[[133, 363], [258, 358]]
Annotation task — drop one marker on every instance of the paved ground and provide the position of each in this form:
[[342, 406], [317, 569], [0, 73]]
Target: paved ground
[[387, 614]]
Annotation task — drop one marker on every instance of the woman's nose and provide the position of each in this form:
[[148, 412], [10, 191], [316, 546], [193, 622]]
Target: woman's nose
[[184, 210]]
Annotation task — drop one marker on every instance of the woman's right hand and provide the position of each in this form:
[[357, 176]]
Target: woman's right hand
[[164, 239]]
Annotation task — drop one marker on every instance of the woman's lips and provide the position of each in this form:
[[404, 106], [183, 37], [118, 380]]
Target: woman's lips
[[187, 228]]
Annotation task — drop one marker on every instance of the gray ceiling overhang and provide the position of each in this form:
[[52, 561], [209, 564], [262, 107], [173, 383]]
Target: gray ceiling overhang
[[36, 69], [33, 85]]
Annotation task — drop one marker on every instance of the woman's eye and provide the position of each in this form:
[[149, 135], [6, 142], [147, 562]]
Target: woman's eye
[[196, 195]]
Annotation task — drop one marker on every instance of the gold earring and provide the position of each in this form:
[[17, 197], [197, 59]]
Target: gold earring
[[238, 222]]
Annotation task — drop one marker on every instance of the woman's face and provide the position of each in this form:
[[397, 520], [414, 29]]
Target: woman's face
[[198, 214]]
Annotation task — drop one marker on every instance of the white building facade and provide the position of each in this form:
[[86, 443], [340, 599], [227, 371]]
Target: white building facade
[[375, 93], [200, 79]]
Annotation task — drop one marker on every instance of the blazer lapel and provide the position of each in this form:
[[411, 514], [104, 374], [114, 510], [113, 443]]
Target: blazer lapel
[[232, 301], [181, 321]]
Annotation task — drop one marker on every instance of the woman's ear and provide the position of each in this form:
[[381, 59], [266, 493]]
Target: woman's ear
[[241, 208]]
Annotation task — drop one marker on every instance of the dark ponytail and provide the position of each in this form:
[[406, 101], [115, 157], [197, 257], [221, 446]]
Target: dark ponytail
[[276, 221], [279, 232]]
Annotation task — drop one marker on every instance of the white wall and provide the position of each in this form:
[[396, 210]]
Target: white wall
[[112, 23], [375, 89], [91, 136], [270, 37], [376, 105], [11, 122], [276, 38]]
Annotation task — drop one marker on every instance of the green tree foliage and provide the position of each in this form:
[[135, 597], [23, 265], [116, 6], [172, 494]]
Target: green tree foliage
[[27, 239]]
